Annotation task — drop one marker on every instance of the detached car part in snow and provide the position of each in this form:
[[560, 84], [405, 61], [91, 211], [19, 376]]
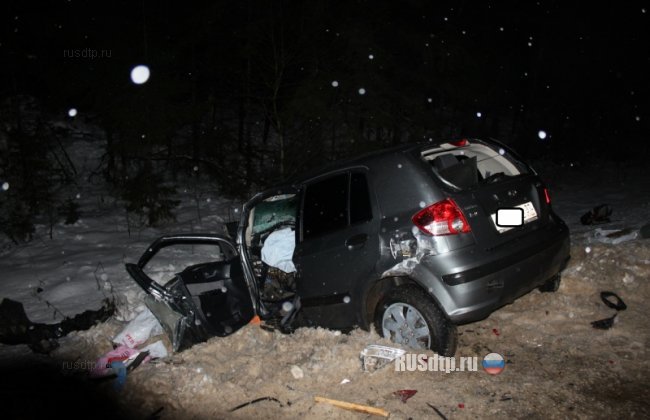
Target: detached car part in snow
[[406, 240], [618, 305], [16, 328]]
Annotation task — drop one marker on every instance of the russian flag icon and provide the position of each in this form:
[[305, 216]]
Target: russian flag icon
[[494, 363]]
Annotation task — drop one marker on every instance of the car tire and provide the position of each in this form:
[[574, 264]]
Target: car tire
[[551, 285], [417, 309]]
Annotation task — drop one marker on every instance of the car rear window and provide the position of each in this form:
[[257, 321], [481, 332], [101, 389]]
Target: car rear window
[[469, 166]]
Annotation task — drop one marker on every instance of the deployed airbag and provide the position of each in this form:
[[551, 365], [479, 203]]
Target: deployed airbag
[[278, 249]]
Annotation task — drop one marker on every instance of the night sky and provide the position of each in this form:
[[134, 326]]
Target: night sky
[[411, 69]]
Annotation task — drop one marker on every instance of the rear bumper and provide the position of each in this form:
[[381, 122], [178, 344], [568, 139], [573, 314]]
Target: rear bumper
[[476, 291]]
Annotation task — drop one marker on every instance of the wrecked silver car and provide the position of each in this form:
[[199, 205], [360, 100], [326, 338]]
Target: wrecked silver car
[[413, 240]]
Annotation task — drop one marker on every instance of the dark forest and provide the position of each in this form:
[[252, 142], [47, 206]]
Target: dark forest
[[249, 93]]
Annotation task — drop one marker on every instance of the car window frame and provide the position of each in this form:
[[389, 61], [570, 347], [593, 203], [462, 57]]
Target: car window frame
[[348, 172]]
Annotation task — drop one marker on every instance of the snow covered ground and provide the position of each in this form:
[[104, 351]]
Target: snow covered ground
[[557, 365]]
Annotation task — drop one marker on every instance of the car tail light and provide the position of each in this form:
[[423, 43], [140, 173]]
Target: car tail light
[[441, 218], [459, 143], [547, 196]]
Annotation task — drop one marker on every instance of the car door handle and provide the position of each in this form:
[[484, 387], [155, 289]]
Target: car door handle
[[356, 241]]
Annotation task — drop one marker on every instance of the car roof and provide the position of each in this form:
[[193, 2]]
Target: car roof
[[360, 160], [366, 159]]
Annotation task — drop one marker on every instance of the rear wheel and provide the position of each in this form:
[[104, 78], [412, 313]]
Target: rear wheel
[[551, 285], [410, 317]]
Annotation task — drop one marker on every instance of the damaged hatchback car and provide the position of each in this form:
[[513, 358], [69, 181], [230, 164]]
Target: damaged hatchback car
[[412, 241]]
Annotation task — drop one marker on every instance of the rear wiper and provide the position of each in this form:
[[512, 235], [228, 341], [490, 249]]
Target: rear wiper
[[494, 177]]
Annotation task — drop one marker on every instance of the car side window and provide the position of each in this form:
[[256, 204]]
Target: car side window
[[325, 206], [360, 209]]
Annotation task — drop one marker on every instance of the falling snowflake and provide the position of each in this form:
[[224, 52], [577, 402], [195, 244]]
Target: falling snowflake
[[371, 57], [346, 299], [362, 91], [479, 114], [335, 83], [429, 100], [5, 186], [502, 152], [588, 250], [541, 134], [140, 74], [72, 112]]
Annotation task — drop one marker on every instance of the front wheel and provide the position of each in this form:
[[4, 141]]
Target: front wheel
[[408, 316]]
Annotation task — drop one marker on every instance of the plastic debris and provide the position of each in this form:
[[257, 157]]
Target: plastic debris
[[375, 357], [120, 370], [354, 407], [345, 381], [604, 324], [617, 304], [103, 366], [405, 394], [597, 215], [615, 236], [139, 330], [157, 350], [16, 328], [496, 332]]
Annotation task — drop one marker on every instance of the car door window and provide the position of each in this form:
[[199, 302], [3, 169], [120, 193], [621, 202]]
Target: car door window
[[360, 210], [325, 206]]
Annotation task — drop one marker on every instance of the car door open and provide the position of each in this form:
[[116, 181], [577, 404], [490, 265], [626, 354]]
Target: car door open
[[204, 300]]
